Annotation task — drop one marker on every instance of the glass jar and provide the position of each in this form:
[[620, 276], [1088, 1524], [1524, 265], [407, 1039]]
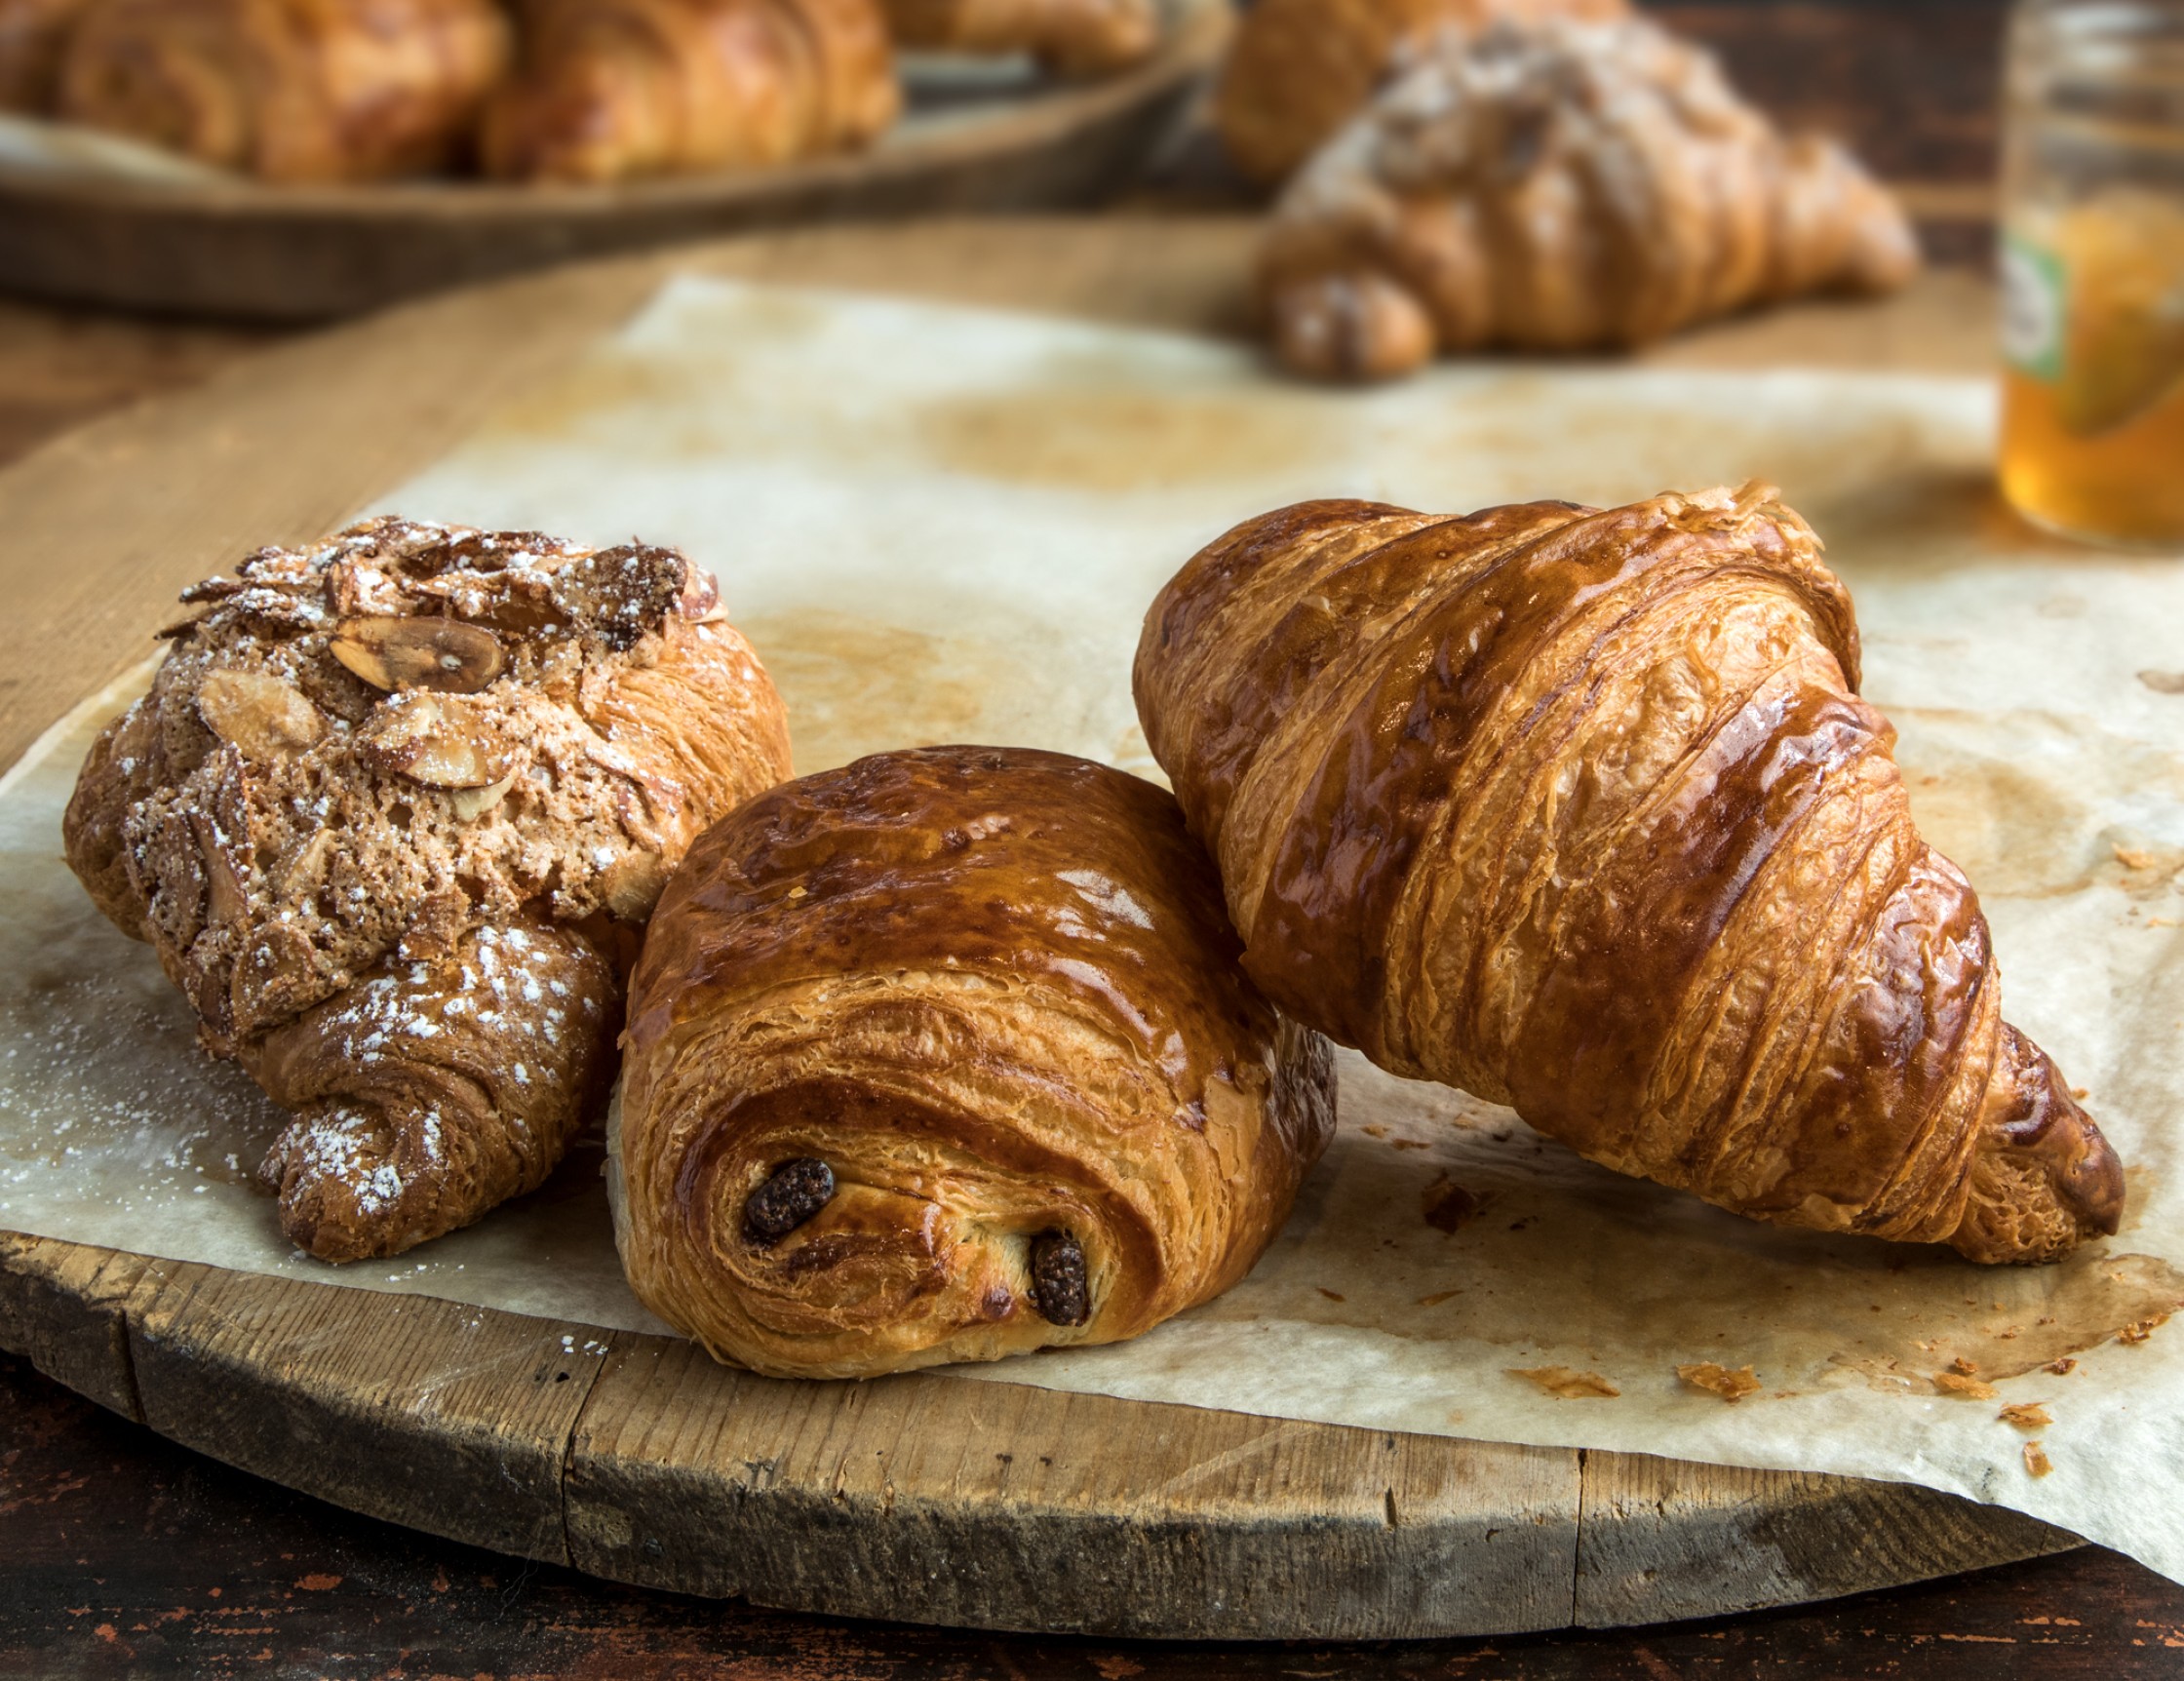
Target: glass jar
[[2092, 269]]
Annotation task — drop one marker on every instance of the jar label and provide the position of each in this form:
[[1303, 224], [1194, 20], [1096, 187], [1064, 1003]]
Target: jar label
[[2032, 308]]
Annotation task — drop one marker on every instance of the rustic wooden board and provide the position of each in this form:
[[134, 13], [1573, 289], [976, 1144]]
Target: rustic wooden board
[[920, 1498], [310, 253]]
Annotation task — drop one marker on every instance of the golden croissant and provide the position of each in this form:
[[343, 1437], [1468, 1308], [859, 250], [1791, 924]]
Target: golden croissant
[[1067, 37], [1563, 186], [1581, 811], [945, 1056], [392, 816], [1300, 70], [288, 90], [615, 89], [33, 33]]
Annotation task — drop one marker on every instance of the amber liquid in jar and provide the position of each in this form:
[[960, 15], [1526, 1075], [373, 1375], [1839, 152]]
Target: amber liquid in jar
[[2093, 271]]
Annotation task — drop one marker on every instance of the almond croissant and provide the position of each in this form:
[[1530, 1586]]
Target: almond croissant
[[945, 1056], [1581, 811], [392, 814], [1563, 186], [288, 90], [610, 89]]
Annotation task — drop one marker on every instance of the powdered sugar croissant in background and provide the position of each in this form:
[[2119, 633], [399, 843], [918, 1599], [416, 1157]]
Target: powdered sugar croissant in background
[[1300, 70], [392, 814], [1559, 186]]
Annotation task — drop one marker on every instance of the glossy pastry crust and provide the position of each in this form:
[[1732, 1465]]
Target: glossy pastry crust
[[392, 814], [288, 90], [1581, 811], [612, 90], [1561, 186], [907, 1034]]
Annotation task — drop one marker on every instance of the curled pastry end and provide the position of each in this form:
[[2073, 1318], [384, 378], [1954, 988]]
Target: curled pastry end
[[356, 1184], [1350, 327], [2044, 1179]]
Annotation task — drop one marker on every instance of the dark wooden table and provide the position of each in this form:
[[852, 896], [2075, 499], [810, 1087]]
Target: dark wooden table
[[122, 1554]]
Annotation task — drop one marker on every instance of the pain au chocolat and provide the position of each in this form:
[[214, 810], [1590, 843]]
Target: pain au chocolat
[[1581, 811], [945, 1056], [392, 814]]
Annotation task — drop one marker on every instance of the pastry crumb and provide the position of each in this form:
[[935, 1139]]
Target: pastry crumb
[[2037, 1461], [1730, 1384], [1373, 1129], [1449, 1207], [2025, 1415], [1330, 1295], [2141, 1329], [1962, 1388], [1437, 1297], [2063, 1367], [1965, 1368], [1565, 1385]]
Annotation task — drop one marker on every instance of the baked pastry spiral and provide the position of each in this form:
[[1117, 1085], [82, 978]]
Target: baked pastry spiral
[[1300, 70], [1559, 187], [1076, 38], [1581, 811], [614, 88], [392, 814], [288, 90], [32, 36], [945, 1056]]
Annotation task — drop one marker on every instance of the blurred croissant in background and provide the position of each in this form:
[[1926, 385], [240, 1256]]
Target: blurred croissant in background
[[1301, 68], [614, 88], [1563, 186], [1075, 38], [32, 36], [287, 89]]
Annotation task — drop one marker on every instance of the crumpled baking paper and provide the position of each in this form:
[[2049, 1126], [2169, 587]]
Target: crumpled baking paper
[[944, 525]]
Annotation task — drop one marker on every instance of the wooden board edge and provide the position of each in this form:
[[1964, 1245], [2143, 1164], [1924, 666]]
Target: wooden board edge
[[893, 1500], [649, 1464], [1656, 1545]]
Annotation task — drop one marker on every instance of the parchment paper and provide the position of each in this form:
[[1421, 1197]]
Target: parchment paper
[[941, 525]]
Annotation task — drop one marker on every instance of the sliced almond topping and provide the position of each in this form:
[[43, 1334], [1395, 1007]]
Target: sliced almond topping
[[633, 884], [445, 656], [1730, 1386], [473, 802], [439, 740], [700, 599], [307, 867], [257, 713], [224, 898]]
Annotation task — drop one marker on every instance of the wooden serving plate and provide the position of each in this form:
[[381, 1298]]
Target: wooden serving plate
[[311, 254], [922, 1498]]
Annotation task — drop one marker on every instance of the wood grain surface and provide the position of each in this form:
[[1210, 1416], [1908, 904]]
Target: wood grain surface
[[916, 1497]]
